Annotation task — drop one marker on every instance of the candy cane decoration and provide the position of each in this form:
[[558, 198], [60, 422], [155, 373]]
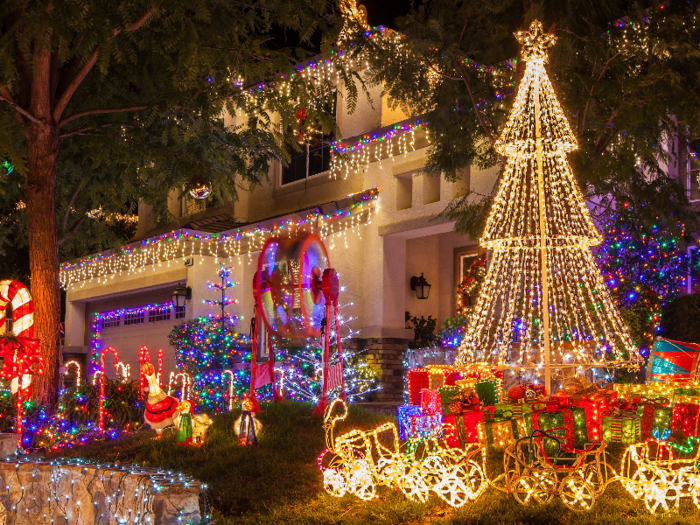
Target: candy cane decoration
[[15, 293], [77, 371], [18, 295], [101, 424], [185, 382], [281, 373], [123, 371], [230, 388]]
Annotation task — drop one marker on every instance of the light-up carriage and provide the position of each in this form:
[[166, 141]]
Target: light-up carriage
[[651, 472], [359, 461], [579, 477]]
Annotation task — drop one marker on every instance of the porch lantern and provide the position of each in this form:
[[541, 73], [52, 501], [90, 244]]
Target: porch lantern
[[421, 286], [181, 295]]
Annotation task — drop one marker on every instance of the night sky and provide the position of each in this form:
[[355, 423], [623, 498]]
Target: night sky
[[384, 12]]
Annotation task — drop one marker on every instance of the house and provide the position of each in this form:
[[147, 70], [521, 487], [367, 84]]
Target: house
[[378, 223], [377, 214]]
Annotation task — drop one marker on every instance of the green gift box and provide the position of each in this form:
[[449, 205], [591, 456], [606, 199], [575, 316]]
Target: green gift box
[[622, 428], [487, 390], [446, 394], [571, 423], [515, 408], [686, 392], [500, 428]]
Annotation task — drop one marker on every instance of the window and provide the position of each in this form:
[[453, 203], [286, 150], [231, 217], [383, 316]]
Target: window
[[158, 314], [110, 321], [135, 317], [465, 264], [694, 175], [180, 312], [694, 271], [315, 154]]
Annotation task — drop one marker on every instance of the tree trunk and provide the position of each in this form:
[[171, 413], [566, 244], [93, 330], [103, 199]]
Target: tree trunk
[[39, 195]]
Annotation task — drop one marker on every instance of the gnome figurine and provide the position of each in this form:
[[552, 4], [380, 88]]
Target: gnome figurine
[[246, 426], [184, 429]]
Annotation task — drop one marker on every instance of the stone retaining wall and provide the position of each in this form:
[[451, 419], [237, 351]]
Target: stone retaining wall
[[77, 493]]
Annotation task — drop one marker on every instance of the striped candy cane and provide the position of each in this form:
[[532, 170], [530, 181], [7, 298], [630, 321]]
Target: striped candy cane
[[15, 293], [18, 295]]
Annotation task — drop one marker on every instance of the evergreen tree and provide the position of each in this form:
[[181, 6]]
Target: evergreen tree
[[208, 349], [646, 267]]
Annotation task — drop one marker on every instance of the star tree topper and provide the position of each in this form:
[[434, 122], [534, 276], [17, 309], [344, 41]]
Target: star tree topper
[[535, 42]]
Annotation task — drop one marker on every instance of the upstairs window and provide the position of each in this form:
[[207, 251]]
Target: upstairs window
[[694, 175], [315, 154]]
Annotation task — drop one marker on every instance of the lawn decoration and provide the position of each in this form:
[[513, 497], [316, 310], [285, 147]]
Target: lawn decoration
[[535, 314], [420, 420], [20, 351], [673, 361], [145, 357], [161, 410], [75, 364], [123, 371], [358, 461], [22, 338], [294, 290], [533, 478], [191, 430], [184, 426], [247, 426], [650, 471], [210, 344], [185, 382], [102, 401]]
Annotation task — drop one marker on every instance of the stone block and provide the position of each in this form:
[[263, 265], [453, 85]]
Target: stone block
[[76, 492], [8, 445]]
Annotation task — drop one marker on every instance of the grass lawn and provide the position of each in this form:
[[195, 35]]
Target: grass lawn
[[279, 482]]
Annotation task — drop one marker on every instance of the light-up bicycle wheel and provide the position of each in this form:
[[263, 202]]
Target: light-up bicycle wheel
[[289, 286]]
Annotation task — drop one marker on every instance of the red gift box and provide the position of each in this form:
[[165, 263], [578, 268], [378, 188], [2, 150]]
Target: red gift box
[[594, 411], [686, 416], [417, 379], [465, 428], [430, 402]]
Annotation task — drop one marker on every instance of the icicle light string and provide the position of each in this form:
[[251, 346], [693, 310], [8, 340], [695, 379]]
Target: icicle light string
[[181, 244]]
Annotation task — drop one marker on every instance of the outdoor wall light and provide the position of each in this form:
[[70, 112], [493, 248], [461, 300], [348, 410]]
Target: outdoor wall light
[[181, 295], [421, 286]]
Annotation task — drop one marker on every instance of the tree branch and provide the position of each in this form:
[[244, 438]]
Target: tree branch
[[476, 109], [85, 69], [73, 229], [590, 94], [23, 112], [70, 204], [251, 5], [98, 112], [443, 75]]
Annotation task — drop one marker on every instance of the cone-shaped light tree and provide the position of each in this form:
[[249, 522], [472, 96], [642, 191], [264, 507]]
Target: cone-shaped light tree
[[539, 225]]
